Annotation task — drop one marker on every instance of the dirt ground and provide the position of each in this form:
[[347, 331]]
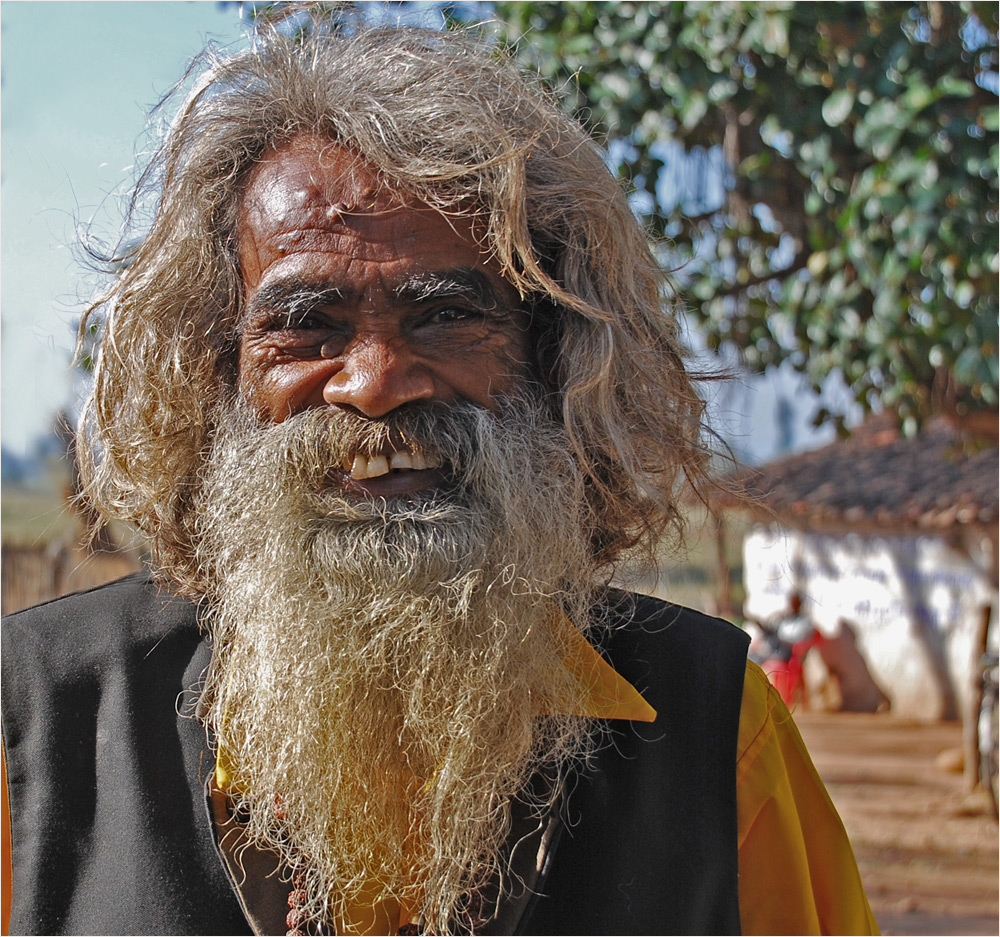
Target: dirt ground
[[927, 848]]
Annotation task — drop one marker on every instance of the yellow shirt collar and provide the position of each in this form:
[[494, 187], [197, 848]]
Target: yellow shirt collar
[[609, 695]]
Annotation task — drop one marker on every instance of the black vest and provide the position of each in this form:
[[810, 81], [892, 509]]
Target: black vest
[[107, 771]]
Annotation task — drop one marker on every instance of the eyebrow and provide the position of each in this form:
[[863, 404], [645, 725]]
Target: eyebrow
[[467, 284], [290, 295]]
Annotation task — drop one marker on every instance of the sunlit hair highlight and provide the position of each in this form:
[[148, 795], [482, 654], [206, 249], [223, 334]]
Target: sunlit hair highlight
[[450, 121]]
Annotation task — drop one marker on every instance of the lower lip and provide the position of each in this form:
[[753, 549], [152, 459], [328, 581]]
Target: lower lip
[[395, 484]]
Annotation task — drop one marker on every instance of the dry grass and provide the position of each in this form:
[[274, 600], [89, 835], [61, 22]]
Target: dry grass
[[42, 555]]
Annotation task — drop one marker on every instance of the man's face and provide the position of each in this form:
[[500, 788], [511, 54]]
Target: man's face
[[361, 300], [401, 620]]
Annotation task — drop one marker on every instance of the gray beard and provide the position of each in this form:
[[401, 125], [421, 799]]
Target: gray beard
[[380, 667]]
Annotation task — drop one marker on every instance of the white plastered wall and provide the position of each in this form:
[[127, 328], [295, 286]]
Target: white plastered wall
[[914, 603]]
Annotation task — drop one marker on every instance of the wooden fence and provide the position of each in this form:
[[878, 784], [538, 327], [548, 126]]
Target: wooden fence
[[32, 574]]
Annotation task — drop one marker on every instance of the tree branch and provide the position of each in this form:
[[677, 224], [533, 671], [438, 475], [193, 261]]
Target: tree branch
[[798, 263]]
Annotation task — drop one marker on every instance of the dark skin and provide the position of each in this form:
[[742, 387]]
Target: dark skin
[[361, 299]]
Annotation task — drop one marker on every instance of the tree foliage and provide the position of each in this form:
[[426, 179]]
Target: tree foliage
[[823, 177]]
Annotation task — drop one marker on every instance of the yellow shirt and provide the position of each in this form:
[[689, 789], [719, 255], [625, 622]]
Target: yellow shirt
[[797, 870]]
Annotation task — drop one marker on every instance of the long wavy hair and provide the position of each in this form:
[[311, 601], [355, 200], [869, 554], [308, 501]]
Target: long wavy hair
[[451, 121]]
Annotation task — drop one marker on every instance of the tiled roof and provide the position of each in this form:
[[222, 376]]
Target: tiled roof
[[877, 477]]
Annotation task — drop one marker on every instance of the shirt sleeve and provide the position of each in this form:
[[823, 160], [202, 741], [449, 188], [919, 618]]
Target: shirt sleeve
[[797, 870]]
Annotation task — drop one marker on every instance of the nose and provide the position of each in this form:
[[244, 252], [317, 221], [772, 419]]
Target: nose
[[377, 374]]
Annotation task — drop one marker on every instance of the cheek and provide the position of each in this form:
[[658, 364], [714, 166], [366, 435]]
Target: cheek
[[275, 391], [502, 371]]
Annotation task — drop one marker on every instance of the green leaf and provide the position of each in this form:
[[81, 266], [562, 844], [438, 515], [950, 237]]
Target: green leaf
[[837, 107]]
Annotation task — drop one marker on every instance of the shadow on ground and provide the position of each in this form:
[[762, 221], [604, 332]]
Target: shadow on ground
[[926, 846]]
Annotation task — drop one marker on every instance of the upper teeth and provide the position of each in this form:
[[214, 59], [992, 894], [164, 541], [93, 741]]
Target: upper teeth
[[376, 465]]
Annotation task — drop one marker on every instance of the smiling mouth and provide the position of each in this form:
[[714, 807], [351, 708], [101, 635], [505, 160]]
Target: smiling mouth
[[360, 467], [393, 473]]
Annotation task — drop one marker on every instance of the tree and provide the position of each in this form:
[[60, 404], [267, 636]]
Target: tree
[[823, 177]]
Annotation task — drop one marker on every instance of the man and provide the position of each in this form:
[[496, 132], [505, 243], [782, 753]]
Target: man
[[389, 387]]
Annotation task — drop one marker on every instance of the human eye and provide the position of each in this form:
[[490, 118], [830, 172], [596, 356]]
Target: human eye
[[456, 314], [451, 322], [286, 323], [298, 330], [305, 322]]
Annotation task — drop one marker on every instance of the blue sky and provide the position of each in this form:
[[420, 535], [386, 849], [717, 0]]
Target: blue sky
[[79, 79]]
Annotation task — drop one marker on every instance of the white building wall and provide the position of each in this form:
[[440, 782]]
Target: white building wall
[[913, 602]]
